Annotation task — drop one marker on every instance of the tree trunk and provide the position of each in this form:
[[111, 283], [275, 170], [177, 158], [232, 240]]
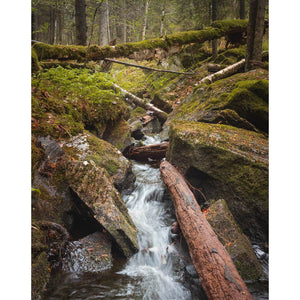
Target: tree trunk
[[156, 151], [162, 20], [223, 73], [124, 25], [218, 275], [255, 33], [214, 43], [104, 26], [59, 26], [52, 26], [80, 22], [242, 9], [145, 19]]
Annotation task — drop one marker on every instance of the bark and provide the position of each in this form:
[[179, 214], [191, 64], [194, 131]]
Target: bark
[[218, 275], [129, 97], [124, 21], [214, 42], [162, 20], [223, 73], [242, 9], [80, 22], [52, 26], [104, 26], [59, 26], [145, 19], [156, 151], [255, 33]]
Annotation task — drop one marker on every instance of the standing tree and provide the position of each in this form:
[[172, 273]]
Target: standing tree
[[255, 33], [214, 43], [104, 36], [242, 9], [145, 19], [80, 22]]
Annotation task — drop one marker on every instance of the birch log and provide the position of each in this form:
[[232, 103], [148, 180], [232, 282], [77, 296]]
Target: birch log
[[228, 71]]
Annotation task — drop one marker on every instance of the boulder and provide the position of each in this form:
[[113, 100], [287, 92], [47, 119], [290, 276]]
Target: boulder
[[89, 254], [226, 162], [240, 100], [92, 185], [119, 135], [236, 243]]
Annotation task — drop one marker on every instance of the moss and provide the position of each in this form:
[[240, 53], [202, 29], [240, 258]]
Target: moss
[[35, 65], [258, 87], [236, 159], [39, 275], [249, 106], [61, 52], [231, 56], [228, 25]]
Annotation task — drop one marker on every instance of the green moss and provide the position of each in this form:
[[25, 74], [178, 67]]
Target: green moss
[[39, 275], [231, 56], [61, 52], [258, 87], [35, 65], [249, 106], [227, 25]]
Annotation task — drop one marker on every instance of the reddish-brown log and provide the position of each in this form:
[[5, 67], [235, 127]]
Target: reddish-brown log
[[219, 277], [156, 151]]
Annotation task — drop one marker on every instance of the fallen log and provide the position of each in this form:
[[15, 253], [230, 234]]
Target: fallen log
[[147, 68], [93, 52], [161, 115], [226, 72], [156, 151], [218, 275]]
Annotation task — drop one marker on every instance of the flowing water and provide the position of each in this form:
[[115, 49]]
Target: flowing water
[[160, 270], [157, 271]]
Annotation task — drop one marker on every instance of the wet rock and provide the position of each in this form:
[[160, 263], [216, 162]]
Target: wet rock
[[151, 126], [229, 163], [175, 229], [89, 254], [136, 128], [94, 187], [235, 242]]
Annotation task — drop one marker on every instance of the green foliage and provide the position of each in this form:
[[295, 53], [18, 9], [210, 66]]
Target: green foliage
[[69, 100]]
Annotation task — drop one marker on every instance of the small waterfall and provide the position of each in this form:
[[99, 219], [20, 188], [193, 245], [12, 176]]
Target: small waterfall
[[153, 264]]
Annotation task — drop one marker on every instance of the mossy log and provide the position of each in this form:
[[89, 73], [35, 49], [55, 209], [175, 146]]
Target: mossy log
[[228, 71], [156, 151], [161, 115], [83, 53], [218, 275]]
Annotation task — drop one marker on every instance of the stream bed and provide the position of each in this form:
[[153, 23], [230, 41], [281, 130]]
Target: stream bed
[[162, 268]]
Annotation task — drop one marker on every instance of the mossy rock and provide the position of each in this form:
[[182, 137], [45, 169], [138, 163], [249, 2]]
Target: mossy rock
[[95, 189], [236, 243], [249, 106], [231, 56], [119, 135], [234, 163], [208, 102], [40, 274]]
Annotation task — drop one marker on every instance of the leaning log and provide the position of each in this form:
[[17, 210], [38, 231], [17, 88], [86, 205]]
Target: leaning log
[[218, 275], [156, 151], [226, 72], [161, 115]]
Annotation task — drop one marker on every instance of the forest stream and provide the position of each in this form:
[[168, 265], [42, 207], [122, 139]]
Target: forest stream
[[162, 269]]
